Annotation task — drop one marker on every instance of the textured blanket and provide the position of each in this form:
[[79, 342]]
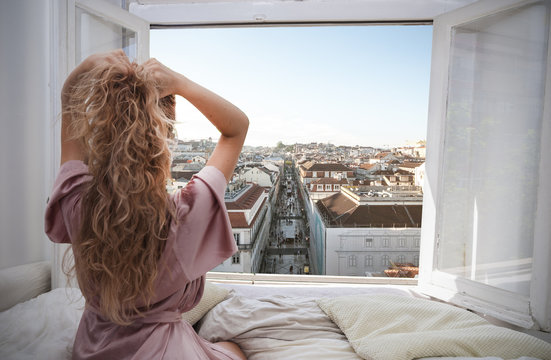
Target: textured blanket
[[386, 327]]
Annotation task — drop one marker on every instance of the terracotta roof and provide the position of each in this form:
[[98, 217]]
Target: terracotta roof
[[247, 200], [381, 155], [411, 165], [383, 172], [367, 166], [237, 219], [328, 167], [339, 210]]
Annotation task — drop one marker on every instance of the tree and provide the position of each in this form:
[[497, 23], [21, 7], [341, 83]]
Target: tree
[[280, 145]]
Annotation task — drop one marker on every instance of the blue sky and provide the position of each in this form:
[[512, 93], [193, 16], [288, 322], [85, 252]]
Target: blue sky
[[347, 85]]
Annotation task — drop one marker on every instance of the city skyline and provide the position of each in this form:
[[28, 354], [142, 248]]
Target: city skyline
[[344, 85]]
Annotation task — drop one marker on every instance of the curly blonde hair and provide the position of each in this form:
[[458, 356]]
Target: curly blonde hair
[[124, 129]]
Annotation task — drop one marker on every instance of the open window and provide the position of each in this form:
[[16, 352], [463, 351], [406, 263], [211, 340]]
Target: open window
[[486, 231], [486, 235]]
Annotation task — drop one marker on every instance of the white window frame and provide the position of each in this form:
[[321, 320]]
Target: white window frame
[[368, 242], [402, 241], [368, 261], [533, 312]]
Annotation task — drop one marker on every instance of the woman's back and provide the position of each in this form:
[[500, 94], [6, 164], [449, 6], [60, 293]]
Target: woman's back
[[140, 254]]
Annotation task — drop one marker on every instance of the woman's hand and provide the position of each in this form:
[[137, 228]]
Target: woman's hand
[[226, 117], [168, 81]]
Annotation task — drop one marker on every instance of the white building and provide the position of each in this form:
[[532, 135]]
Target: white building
[[359, 233], [259, 175], [249, 212], [324, 187]]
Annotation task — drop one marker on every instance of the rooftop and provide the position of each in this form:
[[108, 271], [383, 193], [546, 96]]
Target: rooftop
[[340, 211]]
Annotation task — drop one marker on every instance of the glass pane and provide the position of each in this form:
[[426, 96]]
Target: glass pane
[[96, 34], [492, 147]]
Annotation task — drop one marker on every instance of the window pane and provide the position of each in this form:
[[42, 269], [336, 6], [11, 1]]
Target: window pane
[[95, 34], [492, 146]]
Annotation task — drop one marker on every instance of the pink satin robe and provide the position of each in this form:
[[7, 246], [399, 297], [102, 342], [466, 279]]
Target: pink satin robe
[[201, 240]]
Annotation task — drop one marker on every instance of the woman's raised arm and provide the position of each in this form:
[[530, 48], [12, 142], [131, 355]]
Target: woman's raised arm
[[226, 117]]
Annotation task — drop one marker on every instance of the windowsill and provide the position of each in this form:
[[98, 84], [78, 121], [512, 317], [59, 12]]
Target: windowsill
[[282, 279]]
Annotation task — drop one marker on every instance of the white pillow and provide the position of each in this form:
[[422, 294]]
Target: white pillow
[[389, 327], [23, 282]]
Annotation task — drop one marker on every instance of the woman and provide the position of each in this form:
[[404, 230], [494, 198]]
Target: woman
[[140, 254]]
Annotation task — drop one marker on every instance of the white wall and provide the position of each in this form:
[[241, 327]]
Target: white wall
[[353, 244], [25, 151]]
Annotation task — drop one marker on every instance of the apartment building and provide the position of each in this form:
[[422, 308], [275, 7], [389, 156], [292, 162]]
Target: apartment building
[[361, 231], [249, 211], [310, 171], [259, 175], [324, 187]]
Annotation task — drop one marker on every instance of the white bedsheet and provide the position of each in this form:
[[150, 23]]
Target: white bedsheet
[[41, 328], [268, 322]]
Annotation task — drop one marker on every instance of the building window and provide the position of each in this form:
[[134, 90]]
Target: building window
[[236, 258], [368, 260], [417, 242], [327, 187], [401, 259], [337, 187], [368, 242], [386, 260], [402, 242], [386, 242], [315, 174], [352, 261], [327, 174], [237, 238], [320, 187], [416, 260]]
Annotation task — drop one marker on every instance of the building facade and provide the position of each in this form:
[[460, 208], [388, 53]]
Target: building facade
[[363, 231], [311, 171], [249, 211]]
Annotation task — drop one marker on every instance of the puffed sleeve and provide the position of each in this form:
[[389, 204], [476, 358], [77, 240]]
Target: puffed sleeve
[[203, 234], [63, 210]]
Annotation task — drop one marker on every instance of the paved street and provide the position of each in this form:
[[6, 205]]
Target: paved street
[[287, 252]]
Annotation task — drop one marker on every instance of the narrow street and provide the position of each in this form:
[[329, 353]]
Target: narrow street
[[287, 251]]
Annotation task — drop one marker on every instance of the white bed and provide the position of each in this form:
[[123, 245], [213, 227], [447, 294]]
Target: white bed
[[268, 322]]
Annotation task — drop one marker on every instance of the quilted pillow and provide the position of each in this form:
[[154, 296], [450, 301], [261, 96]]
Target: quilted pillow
[[212, 295], [385, 327]]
